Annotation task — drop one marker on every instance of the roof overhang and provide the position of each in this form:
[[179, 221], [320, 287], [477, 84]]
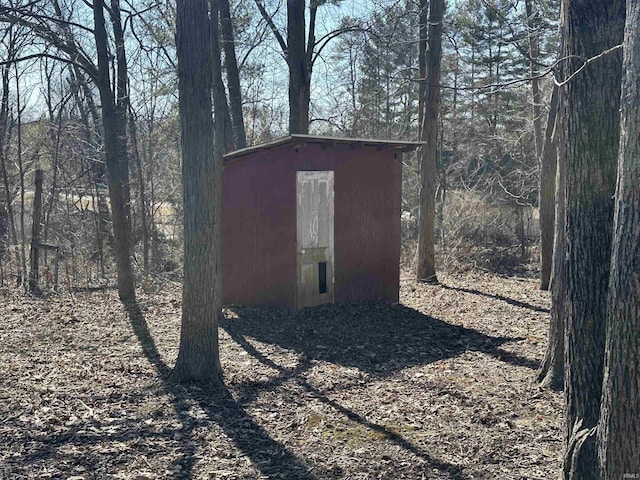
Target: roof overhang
[[299, 140]]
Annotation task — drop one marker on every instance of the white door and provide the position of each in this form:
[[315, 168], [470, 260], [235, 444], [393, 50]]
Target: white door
[[314, 212]]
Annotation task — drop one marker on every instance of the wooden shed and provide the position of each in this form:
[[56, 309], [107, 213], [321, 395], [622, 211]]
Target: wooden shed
[[310, 220]]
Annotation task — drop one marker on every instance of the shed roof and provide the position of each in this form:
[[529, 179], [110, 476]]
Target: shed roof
[[301, 140]]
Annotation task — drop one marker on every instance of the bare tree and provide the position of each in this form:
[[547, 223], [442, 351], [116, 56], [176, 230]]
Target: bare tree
[[426, 269], [300, 50], [220, 104], [54, 30], [547, 184], [198, 357], [233, 76], [114, 105], [551, 371], [619, 429], [4, 133], [592, 132], [34, 257]]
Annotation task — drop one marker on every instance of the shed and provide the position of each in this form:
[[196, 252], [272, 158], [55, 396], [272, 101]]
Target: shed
[[310, 220]]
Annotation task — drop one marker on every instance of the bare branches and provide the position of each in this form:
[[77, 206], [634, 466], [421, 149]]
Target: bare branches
[[326, 39], [269, 19], [41, 55], [35, 23], [552, 69]]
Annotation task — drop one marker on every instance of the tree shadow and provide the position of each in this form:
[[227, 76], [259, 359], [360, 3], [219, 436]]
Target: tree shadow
[[510, 301], [377, 338], [270, 457], [454, 471]]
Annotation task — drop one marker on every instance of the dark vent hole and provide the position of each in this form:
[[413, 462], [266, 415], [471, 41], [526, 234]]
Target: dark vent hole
[[322, 277]]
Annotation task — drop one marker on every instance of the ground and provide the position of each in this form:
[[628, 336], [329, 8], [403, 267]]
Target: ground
[[438, 386]]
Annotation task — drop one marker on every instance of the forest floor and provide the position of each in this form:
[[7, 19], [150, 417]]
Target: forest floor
[[439, 386]]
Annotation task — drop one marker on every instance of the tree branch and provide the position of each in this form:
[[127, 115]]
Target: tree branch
[[551, 69], [587, 61], [325, 39], [267, 18], [76, 56], [42, 55]]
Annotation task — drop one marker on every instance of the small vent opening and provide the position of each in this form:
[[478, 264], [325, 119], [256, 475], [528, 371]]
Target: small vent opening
[[322, 277]]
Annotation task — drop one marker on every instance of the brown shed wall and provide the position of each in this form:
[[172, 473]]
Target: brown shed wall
[[259, 223]]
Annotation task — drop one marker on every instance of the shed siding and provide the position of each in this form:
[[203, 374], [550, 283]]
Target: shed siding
[[259, 236], [259, 223]]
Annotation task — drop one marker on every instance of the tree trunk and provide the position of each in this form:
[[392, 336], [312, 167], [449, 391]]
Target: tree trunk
[[423, 32], [97, 173], [619, 428], [536, 96], [592, 135], [35, 235], [4, 115], [547, 189], [114, 121], [426, 269], [144, 224], [233, 77], [198, 357], [21, 171], [551, 373], [220, 105], [299, 70]]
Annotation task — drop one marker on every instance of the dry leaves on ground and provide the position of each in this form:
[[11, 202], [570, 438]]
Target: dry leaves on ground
[[439, 386]]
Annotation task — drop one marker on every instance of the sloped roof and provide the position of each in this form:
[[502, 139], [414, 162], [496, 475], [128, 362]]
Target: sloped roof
[[301, 140]]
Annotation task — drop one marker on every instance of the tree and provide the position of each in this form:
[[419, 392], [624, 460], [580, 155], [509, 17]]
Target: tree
[[198, 357], [299, 62], [619, 428], [34, 266], [300, 50], [233, 76], [426, 269], [551, 371], [546, 193], [47, 22], [592, 134], [114, 106], [536, 94], [220, 104], [7, 214], [386, 94]]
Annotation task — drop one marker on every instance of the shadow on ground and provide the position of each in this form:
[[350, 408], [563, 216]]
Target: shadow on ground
[[377, 338], [495, 296], [270, 457]]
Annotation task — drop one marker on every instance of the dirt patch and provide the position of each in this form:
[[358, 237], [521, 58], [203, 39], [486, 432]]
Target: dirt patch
[[438, 386]]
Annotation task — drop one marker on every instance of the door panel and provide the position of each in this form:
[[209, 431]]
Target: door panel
[[314, 213]]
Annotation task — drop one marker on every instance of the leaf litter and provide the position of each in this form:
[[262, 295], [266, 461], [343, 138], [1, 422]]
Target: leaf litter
[[438, 386]]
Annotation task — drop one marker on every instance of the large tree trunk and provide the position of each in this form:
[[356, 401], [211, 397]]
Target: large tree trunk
[[233, 77], [198, 357], [426, 269], [619, 428], [114, 122], [592, 135], [547, 189], [551, 373], [299, 69]]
